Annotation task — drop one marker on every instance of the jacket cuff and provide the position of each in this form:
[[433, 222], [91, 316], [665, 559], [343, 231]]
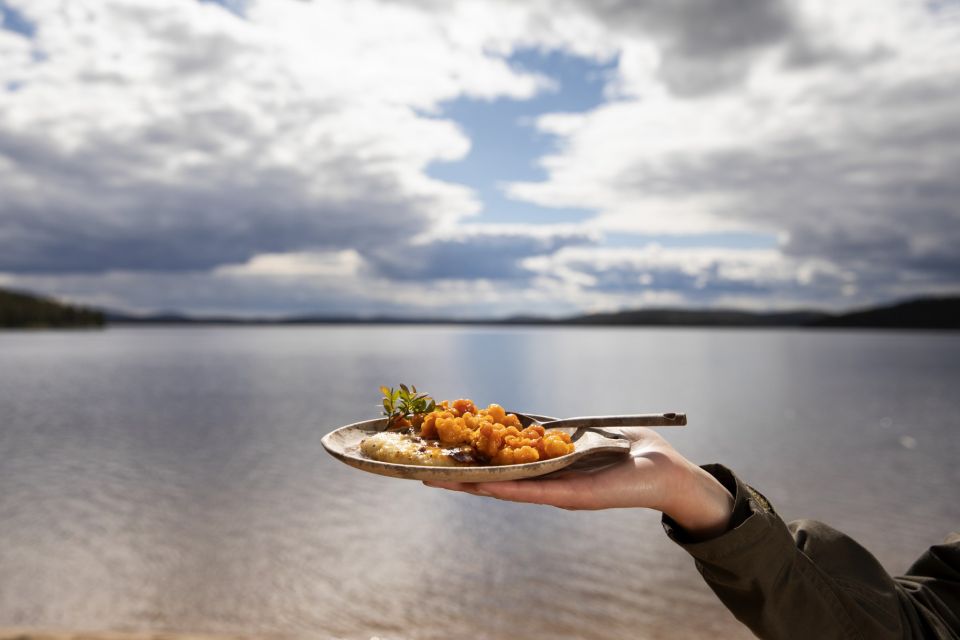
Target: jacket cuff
[[752, 519]]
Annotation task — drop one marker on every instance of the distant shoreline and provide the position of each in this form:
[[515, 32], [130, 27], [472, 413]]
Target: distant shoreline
[[923, 313], [19, 310]]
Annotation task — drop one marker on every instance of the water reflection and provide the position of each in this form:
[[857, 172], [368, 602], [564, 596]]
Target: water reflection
[[174, 478]]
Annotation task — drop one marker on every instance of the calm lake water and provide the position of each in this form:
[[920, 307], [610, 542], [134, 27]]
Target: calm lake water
[[173, 478]]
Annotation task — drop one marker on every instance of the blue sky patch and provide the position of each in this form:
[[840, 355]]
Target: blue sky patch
[[237, 7], [13, 20], [505, 144]]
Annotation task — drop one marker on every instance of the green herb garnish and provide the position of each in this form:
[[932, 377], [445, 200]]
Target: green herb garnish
[[400, 405]]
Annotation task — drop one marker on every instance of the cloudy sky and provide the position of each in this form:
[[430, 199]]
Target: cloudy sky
[[432, 157]]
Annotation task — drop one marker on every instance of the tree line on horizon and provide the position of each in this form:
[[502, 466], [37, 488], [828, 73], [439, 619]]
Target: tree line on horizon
[[25, 311]]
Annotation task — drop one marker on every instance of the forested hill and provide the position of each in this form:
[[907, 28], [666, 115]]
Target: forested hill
[[26, 310], [22, 310], [923, 313]]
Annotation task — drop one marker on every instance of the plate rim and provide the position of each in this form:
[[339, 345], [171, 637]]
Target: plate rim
[[421, 472]]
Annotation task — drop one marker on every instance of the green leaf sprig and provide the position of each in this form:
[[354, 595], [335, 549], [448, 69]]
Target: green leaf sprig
[[404, 402]]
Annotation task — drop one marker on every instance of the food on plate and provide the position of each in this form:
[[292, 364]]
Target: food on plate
[[406, 448], [458, 433]]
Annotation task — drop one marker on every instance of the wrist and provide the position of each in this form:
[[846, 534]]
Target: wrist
[[699, 503]]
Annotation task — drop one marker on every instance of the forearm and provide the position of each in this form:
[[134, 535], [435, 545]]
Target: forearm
[[802, 581], [699, 503]]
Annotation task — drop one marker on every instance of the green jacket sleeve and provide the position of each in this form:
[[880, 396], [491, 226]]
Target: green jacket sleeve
[[807, 580]]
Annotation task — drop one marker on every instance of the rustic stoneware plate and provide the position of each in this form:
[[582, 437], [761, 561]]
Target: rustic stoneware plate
[[344, 444]]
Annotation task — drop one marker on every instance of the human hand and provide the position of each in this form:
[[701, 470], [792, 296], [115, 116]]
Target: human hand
[[655, 476]]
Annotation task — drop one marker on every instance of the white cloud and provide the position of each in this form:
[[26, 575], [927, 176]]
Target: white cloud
[[331, 264], [566, 280], [841, 137], [173, 135], [169, 153]]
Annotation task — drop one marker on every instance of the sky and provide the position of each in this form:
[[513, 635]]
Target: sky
[[479, 158]]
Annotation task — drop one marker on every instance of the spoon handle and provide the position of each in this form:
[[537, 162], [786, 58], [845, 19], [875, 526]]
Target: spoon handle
[[642, 420]]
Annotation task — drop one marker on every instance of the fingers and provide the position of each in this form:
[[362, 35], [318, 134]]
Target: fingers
[[463, 487], [576, 492], [632, 434], [557, 493], [514, 491]]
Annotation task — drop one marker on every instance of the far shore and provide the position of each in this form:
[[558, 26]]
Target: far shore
[[21, 310]]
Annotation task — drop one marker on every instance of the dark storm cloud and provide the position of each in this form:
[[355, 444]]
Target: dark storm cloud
[[805, 50], [86, 211], [690, 28], [706, 45], [697, 29], [710, 46], [882, 201]]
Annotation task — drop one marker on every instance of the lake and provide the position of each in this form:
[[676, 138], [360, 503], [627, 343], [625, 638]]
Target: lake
[[172, 478]]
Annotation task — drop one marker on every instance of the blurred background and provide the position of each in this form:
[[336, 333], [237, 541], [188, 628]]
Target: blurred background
[[260, 211]]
